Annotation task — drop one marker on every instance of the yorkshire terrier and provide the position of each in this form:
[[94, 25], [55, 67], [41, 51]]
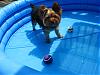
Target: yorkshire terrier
[[47, 18]]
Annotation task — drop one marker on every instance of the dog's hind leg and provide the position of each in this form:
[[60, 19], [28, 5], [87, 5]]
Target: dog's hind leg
[[33, 21], [33, 25]]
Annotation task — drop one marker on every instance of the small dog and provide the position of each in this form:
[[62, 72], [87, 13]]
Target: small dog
[[47, 18]]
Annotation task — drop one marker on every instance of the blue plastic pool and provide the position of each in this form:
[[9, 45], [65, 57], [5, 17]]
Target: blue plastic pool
[[22, 50]]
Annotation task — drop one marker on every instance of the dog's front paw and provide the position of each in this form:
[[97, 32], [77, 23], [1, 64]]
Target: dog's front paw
[[60, 36], [48, 40], [34, 29]]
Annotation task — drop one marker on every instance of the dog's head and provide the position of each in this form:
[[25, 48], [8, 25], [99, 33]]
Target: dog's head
[[51, 19]]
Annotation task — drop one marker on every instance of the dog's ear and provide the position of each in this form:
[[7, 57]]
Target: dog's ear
[[56, 7]]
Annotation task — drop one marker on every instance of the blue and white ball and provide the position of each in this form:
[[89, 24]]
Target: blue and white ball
[[47, 59]]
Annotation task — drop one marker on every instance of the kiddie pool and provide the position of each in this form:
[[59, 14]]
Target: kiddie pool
[[22, 50]]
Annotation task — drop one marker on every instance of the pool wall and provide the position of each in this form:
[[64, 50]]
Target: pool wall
[[16, 14]]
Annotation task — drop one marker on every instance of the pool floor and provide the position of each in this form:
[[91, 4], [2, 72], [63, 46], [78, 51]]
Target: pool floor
[[76, 53]]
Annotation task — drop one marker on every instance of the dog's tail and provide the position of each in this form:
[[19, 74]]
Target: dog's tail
[[32, 5]]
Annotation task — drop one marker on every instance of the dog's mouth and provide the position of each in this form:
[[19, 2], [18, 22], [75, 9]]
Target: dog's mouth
[[54, 20], [54, 23]]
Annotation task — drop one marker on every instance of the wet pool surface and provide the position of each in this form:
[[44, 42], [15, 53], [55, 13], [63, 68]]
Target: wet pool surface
[[76, 53]]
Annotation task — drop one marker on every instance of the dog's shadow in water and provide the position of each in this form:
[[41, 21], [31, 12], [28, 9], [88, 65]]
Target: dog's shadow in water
[[37, 38]]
